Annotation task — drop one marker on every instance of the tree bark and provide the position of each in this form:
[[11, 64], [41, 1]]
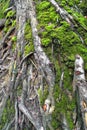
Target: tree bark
[[80, 88]]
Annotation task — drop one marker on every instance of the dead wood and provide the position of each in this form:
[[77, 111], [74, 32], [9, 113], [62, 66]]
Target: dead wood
[[28, 114], [16, 115], [27, 106], [3, 103], [80, 88], [40, 56], [63, 13], [4, 57], [6, 36], [25, 58], [21, 19]]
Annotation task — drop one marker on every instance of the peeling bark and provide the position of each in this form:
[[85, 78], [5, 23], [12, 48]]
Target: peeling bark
[[27, 106]]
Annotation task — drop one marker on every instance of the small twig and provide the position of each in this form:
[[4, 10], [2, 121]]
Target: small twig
[[33, 64], [16, 115]]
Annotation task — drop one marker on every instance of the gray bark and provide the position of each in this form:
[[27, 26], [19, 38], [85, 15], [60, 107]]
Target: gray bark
[[6, 36], [27, 106], [80, 88], [40, 56], [28, 115]]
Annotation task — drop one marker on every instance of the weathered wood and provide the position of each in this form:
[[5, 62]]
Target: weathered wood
[[4, 57], [61, 79], [24, 91], [6, 36], [28, 115], [80, 88], [16, 115], [32, 116], [25, 58], [40, 56], [21, 20], [4, 101]]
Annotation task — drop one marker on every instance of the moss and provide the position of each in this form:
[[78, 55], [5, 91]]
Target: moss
[[8, 114], [43, 5], [3, 5], [43, 95], [46, 41], [29, 47], [5, 29], [13, 23], [8, 22], [14, 39], [66, 44], [10, 14]]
